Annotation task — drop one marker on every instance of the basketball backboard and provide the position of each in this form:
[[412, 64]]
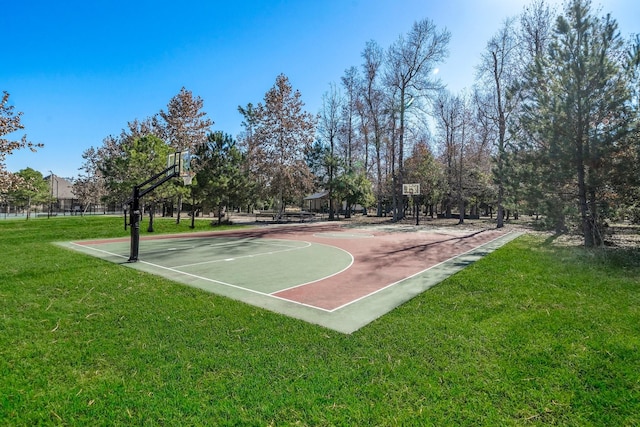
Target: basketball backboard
[[179, 164], [410, 189]]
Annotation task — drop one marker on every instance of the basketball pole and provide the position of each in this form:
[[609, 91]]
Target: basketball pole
[[136, 215], [413, 191]]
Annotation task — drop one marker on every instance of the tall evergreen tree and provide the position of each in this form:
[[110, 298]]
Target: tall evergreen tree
[[220, 178], [248, 143], [580, 112]]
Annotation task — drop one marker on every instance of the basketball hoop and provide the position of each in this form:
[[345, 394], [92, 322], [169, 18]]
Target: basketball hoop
[[187, 179]]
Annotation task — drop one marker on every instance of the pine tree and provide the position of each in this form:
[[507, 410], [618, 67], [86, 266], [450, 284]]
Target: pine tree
[[578, 110], [220, 180]]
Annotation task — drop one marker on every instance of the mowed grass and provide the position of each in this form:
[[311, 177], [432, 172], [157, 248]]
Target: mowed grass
[[532, 334]]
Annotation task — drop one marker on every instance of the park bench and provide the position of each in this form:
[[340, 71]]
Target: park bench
[[264, 215], [300, 216]]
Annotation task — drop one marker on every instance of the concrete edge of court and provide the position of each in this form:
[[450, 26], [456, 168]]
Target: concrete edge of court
[[347, 319], [359, 314]]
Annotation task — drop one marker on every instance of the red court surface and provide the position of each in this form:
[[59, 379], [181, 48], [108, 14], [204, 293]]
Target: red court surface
[[389, 267], [381, 259]]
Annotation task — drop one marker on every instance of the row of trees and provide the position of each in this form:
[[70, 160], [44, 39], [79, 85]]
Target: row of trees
[[567, 117], [550, 128], [268, 168]]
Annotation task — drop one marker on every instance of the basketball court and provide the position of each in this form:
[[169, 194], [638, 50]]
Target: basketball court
[[328, 274]]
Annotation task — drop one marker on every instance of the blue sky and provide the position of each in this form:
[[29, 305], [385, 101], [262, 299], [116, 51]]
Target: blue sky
[[80, 70]]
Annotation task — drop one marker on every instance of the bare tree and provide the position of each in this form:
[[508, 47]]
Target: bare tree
[[329, 124], [349, 129], [496, 76], [410, 62], [454, 120], [350, 83], [535, 30], [90, 187], [373, 101]]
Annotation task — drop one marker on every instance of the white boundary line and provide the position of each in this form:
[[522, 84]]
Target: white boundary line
[[416, 274], [303, 304], [322, 278], [97, 250], [290, 248], [203, 278], [271, 295], [175, 271]]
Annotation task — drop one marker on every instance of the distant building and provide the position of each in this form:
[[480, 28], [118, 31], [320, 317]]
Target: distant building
[[61, 190], [317, 202]]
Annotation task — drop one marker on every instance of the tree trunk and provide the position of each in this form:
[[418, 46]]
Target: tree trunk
[[379, 178], [394, 206], [401, 150], [500, 215], [502, 128], [220, 207], [150, 227], [179, 209], [582, 196], [193, 213], [596, 229]]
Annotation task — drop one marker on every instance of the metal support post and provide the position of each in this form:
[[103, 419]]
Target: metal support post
[[135, 225], [139, 191]]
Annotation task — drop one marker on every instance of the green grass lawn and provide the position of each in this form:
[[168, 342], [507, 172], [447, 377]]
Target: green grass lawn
[[533, 334]]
